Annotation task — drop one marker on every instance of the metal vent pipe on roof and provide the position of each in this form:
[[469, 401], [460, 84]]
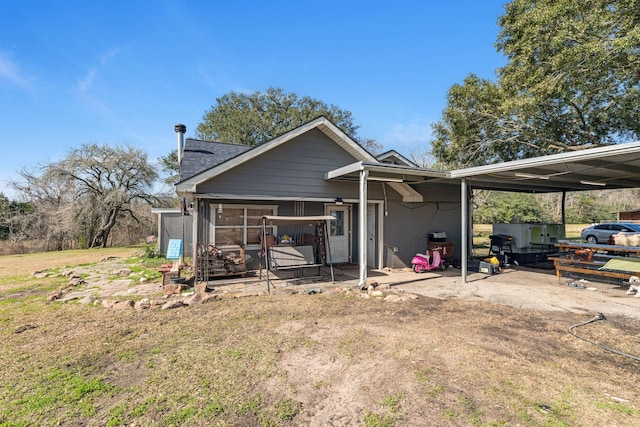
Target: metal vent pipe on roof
[[180, 130]]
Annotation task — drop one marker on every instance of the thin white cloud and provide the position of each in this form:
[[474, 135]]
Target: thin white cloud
[[86, 83], [10, 72]]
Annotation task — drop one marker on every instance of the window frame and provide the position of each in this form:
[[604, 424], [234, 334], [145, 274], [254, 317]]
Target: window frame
[[245, 227]]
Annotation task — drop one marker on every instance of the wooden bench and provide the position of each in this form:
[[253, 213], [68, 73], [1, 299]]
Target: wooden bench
[[593, 268], [292, 258], [593, 259]]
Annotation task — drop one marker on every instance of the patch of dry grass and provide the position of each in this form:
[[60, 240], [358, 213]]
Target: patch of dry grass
[[24, 264], [328, 359]]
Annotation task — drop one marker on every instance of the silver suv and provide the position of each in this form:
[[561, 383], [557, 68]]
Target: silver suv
[[601, 233]]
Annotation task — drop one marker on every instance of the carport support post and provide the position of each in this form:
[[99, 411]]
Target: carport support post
[[465, 230], [362, 229]]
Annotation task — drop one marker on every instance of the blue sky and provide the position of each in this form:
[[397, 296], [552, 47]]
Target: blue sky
[[125, 72]]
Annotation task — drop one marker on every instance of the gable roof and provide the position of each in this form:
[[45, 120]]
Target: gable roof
[[189, 183], [201, 155], [395, 158]]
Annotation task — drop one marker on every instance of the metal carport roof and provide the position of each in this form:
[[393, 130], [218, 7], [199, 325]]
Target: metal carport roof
[[608, 167]]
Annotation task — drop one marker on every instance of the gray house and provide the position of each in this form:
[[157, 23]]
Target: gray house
[[385, 208]]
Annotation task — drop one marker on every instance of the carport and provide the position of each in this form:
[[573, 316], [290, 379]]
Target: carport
[[608, 167]]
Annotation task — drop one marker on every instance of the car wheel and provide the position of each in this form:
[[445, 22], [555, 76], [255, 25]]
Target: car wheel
[[592, 240]]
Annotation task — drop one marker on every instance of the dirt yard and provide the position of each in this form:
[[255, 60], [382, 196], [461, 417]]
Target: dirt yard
[[418, 350]]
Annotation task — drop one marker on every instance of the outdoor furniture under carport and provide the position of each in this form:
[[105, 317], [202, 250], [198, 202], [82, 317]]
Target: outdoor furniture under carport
[[293, 257]]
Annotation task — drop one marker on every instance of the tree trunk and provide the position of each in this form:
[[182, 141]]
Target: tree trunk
[[102, 236]]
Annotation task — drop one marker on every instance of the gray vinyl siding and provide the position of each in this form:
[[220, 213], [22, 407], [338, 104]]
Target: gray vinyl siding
[[295, 169], [408, 224]]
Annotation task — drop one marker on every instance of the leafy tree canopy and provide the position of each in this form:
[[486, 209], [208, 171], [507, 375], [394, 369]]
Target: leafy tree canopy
[[508, 207], [255, 118], [572, 80]]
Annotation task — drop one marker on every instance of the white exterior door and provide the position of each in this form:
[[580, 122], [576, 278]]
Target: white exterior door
[[339, 232], [371, 236]]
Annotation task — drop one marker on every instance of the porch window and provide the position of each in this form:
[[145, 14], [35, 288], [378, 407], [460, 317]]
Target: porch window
[[239, 225]]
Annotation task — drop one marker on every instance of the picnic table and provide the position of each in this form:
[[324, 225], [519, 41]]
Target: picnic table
[[616, 261]]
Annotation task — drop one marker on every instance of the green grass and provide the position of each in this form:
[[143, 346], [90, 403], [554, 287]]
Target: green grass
[[372, 419]]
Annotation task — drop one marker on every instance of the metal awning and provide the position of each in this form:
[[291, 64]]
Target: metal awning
[[609, 167], [386, 172]]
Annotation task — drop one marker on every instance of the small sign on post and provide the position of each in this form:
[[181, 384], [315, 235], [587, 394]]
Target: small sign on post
[[174, 249]]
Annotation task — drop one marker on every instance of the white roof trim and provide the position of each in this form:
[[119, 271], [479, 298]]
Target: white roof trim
[[406, 171], [405, 190], [586, 154], [322, 123]]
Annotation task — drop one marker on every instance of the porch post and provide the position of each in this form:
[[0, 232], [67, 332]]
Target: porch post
[[362, 229], [465, 229], [195, 256]]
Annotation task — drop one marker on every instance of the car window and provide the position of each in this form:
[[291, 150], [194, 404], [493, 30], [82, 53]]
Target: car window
[[617, 227], [601, 227]]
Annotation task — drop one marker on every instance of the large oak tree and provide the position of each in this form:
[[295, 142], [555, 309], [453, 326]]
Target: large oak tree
[[89, 191], [258, 117], [572, 81]]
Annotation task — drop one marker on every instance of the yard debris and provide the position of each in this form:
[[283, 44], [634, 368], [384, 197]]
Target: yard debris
[[122, 272], [41, 274], [173, 304], [75, 280], [174, 288], [311, 291], [371, 284], [545, 409], [143, 304], [21, 329], [54, 296], [89, 299], [117, 304], [200, 298], [393, 298], [576, 285]]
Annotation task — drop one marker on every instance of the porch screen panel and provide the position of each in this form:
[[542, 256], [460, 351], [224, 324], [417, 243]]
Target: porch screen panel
[[239, 225], [229, 226]]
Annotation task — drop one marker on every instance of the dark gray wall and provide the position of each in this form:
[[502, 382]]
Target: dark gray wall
[[408, 224]]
